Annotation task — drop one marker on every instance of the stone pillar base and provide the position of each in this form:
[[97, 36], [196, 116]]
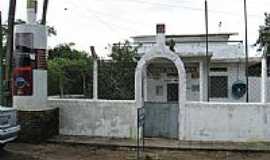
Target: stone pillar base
[[37, 126]]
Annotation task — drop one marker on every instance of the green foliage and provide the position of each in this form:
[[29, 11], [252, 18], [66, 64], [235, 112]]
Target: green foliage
[[124, 52], [66, 51], [69, 71], [264, 33], [116, 80], [116, 76]]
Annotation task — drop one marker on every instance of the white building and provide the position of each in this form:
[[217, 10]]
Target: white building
[[227, 67]]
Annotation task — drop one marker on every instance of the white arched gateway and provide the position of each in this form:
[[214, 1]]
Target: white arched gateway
[[161, 51]]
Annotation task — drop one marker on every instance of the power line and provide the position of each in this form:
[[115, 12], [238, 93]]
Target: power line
[[143, 2], [98, 15]]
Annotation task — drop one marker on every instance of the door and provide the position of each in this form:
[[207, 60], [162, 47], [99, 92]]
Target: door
[[172, 92], [161, 120]]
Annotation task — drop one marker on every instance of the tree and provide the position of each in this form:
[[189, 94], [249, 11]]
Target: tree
[[56, 75], [116, 76], [263, 42], [124, 52], [264, 34], [69, 71]]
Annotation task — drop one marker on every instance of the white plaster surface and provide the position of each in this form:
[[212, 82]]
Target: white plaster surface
[[38, 101], [39, 34], [239, 122], [227, 122], [102, 118]]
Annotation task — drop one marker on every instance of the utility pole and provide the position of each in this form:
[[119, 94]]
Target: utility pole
[[10, 41], [1, 61], [207, 49], [246, 50], [44, 13]]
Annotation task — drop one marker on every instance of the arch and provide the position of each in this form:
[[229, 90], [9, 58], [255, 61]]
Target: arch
[[161, 51]]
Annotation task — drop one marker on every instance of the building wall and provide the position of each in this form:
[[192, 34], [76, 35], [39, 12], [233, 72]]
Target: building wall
[[102, 118], [202, 121], [235, 72], [227, 122]]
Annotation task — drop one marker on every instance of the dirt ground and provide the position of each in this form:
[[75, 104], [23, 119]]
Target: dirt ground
[[20, 151]]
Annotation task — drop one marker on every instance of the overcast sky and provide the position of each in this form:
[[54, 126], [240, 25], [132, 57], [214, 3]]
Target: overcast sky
[[103, 22]]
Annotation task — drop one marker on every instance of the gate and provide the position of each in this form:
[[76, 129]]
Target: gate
[[161, 120]]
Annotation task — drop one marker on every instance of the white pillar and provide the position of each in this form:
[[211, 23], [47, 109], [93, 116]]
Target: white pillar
[[264, 80], [31, 11], [95, 80], [203, 82], [145, 85]]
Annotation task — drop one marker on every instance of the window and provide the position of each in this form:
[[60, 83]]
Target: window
[[218, 69], [159, 90], [218, 87]]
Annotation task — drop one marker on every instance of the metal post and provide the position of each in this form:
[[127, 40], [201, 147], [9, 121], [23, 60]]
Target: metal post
[[44, 14], [246, 49], [1, 60], [207, 49], [10, 40]]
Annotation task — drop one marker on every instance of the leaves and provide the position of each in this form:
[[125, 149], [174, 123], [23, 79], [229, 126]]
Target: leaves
[[70, 72], [68, 69], [264, 33]]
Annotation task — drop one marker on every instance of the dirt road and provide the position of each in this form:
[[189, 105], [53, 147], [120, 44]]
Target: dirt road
[[19, 151]]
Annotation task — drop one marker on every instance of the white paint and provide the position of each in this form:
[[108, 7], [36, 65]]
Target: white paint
[[203, 81], [224, 54], [38, 101], [95, 80], [31, 11], [39, 34], [264, 80], [239, 122], [31, 16], [196, 46], [160, 50], [102, 118], [227, 122]]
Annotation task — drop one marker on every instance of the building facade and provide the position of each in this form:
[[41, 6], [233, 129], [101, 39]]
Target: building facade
[[226, 68]]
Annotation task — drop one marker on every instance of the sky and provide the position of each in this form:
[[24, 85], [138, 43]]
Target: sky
[[103, 22]]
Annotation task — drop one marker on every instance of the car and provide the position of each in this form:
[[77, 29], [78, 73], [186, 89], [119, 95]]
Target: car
[[8, 125]]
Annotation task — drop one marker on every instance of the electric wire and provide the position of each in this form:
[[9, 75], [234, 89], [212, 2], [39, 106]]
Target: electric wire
[[143, 2], [111, 26]]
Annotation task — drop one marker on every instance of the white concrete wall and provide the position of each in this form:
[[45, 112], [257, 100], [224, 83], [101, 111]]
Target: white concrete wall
[[227, 122], [255, 89], [100, 118], [201, 121]]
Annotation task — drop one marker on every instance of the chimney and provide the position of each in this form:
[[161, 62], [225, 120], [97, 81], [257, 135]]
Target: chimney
[[160, 38], [31, 11]]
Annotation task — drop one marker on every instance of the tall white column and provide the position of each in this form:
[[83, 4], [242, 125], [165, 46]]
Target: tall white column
[[145, 85], [264, 80], [95, 80], [31, 11], [203, 81]]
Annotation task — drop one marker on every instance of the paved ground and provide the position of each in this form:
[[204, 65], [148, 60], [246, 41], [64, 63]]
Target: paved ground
[[163, 143], [20, 151]]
